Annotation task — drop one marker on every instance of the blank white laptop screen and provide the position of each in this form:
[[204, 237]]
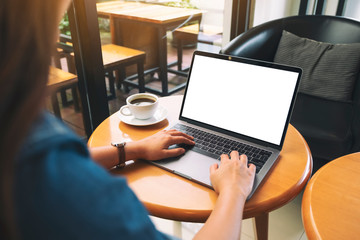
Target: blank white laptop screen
[[247, 99]]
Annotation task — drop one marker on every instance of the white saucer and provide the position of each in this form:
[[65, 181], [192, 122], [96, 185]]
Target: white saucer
[[159, 115]]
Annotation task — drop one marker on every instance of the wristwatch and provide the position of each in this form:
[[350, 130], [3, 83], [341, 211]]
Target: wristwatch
[[121, 152]]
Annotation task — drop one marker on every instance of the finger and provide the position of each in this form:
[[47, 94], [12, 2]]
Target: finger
[[244, 159], [181, 139], [168, 153], [174, 132], [224, 158], [169, 131], [252, 168], [213, 168], [234, 155]]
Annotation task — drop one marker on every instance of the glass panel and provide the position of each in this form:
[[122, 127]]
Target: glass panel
[[65, 101], [165, 37], [352, 9], [146, 39], [78, 58], [152, 26], [267, 10]]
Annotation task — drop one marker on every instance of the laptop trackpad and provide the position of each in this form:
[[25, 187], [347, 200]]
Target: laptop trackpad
[[191, 165]]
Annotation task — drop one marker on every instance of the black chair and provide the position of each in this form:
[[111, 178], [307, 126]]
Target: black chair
[[331, 128]]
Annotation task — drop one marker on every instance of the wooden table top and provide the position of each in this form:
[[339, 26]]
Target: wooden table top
[[59, 78], [331, 201], [113, 54], [144, 12], [172, 197]]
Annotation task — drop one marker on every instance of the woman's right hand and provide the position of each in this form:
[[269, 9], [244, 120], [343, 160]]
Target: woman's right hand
[[233, 181], [233, 175]]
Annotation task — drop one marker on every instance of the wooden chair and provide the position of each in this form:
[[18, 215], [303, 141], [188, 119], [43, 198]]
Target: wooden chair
[[58, 56], [204, 39], [58, 81], [115, 59]]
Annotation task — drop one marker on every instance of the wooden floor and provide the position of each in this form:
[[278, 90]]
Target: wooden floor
[[75, 121]]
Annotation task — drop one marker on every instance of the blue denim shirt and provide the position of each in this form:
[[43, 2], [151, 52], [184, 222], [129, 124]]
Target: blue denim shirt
[[60, 193]]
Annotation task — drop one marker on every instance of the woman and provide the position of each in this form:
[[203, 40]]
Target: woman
[[51, 185]]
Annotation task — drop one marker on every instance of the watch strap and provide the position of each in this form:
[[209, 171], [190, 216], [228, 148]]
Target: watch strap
[[121, 153]]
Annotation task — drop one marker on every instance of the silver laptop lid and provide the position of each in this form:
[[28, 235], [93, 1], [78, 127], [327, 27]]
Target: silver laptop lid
[[241, 97]]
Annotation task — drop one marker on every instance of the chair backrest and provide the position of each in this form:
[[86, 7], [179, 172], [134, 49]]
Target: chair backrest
[[261, 42], [343, 119], [65, 44]]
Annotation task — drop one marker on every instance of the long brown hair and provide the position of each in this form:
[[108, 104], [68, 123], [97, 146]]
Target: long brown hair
[[27, 34]]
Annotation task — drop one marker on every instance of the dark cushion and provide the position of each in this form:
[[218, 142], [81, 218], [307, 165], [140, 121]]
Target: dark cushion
[[329, 70]]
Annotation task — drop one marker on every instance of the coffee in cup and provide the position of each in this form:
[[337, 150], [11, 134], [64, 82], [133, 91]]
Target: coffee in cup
[[140, 105], [142, 101]]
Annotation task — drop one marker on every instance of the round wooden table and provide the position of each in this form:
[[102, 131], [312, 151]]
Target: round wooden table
[[331, 201], [169, 196]]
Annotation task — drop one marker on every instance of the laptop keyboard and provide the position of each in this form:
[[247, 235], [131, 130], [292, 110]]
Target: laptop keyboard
[[213, 146]]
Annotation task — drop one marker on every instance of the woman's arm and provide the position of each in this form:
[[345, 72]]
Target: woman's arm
[[154, 147], [233, 181]]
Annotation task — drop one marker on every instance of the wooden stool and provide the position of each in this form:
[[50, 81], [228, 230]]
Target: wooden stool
[[58, 81], [191, 34], [65, 52], [185, 35], [331, 201], [116, 58]]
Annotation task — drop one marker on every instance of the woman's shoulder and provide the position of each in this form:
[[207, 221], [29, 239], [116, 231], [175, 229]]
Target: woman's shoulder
[[59, 187], [48, 128], [48, 132]]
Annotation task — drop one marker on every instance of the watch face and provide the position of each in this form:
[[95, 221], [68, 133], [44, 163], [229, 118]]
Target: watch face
[[122, 144]]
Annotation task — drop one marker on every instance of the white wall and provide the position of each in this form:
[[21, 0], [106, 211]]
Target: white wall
[[227, 22], [214, 11], [330, 7]]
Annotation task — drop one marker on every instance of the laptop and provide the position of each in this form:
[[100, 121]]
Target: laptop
[[233, 103]]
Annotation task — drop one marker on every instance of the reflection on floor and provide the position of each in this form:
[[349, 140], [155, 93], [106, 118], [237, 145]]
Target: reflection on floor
[[284, 223]]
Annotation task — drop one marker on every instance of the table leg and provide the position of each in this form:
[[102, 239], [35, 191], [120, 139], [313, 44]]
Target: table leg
[[163, 60], [179, 54], [261, 226], [75, 96], [141, 79], [112, 30], [177, 229], [55, 105]]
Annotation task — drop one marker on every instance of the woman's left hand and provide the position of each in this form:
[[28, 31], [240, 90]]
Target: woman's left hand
[[156, 146]]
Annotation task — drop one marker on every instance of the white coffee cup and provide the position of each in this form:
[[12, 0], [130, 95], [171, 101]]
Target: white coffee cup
[[140, 105]]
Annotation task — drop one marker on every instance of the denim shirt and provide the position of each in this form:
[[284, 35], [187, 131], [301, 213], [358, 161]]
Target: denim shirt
[[60, 193]]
